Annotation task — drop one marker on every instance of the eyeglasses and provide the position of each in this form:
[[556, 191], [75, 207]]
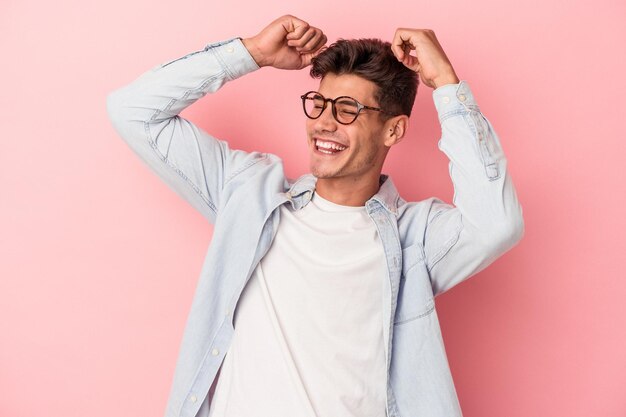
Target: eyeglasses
[[345, 109]]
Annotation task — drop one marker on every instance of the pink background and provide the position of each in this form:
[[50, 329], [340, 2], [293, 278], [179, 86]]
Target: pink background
[[99, 259]]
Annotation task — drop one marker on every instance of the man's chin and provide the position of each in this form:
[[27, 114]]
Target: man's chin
[[320, 174], [323, 169]]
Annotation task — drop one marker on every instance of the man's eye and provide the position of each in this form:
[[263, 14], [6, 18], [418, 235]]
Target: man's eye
[[318, 106], [347, 112]]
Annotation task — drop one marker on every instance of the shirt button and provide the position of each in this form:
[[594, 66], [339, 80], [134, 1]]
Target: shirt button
[[462, 97], [215, 352], [230, 49], [446, 99], [193, 398]]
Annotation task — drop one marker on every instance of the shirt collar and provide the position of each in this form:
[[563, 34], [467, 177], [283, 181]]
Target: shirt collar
[[301, 192], [387, 195]]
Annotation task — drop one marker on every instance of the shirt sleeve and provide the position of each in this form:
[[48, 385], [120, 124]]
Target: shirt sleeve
[[485, 219], [145, 113]]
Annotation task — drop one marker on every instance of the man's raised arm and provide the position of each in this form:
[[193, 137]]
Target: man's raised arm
[[487, 218], [145, 113]]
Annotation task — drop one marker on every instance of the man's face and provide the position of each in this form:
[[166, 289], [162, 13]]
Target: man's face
[[355, 151]]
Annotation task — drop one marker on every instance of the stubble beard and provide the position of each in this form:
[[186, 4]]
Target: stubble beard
[[360, 168]]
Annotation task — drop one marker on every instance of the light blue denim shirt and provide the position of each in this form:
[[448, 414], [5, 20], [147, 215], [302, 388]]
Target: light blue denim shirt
[[429, 246]]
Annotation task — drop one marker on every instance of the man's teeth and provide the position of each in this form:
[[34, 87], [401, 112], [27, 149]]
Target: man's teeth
[[321, 145]]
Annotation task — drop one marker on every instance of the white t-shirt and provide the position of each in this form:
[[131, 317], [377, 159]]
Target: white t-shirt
[[308, 338]]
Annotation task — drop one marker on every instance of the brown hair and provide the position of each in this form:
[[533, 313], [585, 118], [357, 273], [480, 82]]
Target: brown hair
[[373, 60]]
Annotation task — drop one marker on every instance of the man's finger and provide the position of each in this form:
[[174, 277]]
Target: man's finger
[[308, 57], [296, 29], [303, 39], [400, 39], [397, 50], [312, 43]]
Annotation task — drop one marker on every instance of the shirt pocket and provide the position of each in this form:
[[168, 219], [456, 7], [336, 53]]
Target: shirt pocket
[[415, 295]]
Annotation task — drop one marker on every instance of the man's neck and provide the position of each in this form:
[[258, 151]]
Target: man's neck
[[347, 191]]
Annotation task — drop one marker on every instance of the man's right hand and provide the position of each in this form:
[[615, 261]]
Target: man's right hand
[[286, 43]]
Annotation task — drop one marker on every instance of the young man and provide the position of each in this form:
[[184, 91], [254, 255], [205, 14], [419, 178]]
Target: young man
[[317, 295]]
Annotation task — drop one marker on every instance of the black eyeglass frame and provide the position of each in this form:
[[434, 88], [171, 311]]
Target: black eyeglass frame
[[359, 106]]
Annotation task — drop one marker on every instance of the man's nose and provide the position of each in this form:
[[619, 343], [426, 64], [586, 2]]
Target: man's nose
[[326, 121]]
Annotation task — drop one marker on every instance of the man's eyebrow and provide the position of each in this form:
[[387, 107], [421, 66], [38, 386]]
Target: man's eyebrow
[[346, 101]]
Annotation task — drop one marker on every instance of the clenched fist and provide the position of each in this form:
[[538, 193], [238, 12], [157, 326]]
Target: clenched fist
[[286, 43], [429, 61]]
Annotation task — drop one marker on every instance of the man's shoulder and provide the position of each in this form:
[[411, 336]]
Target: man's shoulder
[[420, 211], [391, 195]]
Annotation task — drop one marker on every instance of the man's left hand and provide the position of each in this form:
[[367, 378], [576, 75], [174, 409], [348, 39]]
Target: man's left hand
[[429, 61]]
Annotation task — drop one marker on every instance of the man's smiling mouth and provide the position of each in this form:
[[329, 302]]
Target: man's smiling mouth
[[328, 147]]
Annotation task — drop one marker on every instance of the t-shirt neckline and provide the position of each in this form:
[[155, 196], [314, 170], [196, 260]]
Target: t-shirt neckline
[[327, 205]]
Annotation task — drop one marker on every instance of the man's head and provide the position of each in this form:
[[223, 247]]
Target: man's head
[[373, 60], [366, 70]]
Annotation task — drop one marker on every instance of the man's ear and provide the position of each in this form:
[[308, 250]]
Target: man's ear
[[396, 127]]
